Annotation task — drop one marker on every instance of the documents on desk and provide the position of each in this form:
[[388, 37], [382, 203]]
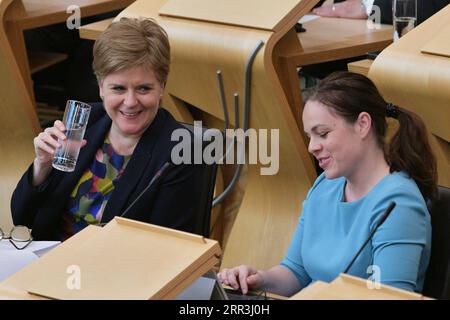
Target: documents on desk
[[308, 17], [13, 260], [125, 259]]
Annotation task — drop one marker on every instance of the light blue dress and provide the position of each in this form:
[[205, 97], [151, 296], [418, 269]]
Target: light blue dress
[[330, 232]]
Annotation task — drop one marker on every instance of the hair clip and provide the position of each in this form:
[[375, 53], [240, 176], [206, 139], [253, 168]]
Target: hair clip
[[392, 111]]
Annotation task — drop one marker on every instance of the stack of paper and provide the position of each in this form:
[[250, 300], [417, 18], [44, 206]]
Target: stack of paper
[[124, 260]]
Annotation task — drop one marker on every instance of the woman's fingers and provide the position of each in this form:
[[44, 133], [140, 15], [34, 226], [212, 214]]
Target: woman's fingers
[[222, 276], [244, 272], [42, 145], [48, 141], [60, 125], [56, 132], [232, 275]]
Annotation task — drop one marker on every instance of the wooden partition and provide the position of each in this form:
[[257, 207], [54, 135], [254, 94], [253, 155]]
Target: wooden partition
[[271, 204], [207, 36], [18, 124], [414, 73], [347, 287]]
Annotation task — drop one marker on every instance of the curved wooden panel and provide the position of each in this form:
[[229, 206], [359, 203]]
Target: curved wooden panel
[[270, 205], [420, 82], [18, 123]]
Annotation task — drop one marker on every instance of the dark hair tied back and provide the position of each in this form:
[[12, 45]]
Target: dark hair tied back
[[348, 94]]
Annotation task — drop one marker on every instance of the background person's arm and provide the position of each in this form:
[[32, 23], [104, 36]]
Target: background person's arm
[[353, 9]]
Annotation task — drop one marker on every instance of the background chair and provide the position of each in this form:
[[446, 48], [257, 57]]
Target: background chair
[[209, 178], [437, 281]]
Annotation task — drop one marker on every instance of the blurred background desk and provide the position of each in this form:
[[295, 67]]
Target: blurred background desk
[[258, 218], [24, 15], [329, 39]]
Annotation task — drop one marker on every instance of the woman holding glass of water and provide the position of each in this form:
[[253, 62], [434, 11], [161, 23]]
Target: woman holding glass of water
[[127, 145]]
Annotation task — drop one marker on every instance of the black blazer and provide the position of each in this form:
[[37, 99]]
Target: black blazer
[[174, 201]]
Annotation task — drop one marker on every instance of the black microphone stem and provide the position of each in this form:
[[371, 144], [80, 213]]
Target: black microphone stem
[[157, 175]]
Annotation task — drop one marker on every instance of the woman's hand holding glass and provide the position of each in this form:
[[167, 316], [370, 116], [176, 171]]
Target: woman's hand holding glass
[[45, 145], [245, 277]]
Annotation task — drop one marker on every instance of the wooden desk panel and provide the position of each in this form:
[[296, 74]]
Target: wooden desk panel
[[257, 14], [38, 13], [269, 205], [329, 39], [28, 14], [419, 82], [326, 39]]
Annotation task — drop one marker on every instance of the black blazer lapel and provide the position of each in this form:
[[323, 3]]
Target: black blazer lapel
[[138, 172]]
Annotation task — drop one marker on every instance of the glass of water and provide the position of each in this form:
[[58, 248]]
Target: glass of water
[[75, 119], [404, 14]]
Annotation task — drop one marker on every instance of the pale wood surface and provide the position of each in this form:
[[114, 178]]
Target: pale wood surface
[[361, 66], [328, 39], [41, 60], [439, 44], [16, 284], [268, 206], [257, 14], [18, 125], [126, 260], [346, 287], [38, 13], [92, 30], [28, 14], [419, 82]]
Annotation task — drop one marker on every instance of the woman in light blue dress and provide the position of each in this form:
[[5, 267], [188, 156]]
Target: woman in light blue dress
[[345, 120]]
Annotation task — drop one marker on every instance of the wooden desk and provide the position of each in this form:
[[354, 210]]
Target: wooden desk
[[347, 287], [361, 66], [408, 74], [268, 205], [326, 39], [29, 14], [329, 39]]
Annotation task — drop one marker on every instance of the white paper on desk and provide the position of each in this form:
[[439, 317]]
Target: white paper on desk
[[36, 247], [308, 17], [43, 248], [13, 261]]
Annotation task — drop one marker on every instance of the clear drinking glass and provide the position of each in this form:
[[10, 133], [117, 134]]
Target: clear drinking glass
[[404, 14], [75, 119]]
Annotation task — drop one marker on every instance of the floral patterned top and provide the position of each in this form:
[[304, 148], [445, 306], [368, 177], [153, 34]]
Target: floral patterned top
[[91, 194]]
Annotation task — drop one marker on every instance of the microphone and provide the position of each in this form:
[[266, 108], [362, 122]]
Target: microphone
[[383, 218], [158, 175]]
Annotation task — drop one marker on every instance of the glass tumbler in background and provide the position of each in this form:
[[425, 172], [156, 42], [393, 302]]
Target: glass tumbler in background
[[75, 119], [404, 15]]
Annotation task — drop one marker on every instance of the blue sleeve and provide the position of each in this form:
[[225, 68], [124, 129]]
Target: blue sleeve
[[400, 242], [293, 259]]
